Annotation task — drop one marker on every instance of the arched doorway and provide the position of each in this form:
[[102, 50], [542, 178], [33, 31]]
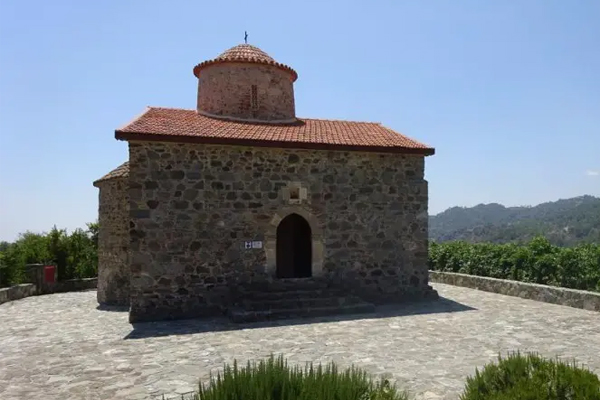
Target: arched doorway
[[293, 248]]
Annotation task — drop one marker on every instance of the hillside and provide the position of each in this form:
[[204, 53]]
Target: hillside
[[563, 222]]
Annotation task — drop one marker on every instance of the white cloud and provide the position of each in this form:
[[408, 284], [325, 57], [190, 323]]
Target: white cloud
[[589, 172]]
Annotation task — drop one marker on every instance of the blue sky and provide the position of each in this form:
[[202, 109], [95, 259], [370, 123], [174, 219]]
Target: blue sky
[[508, 92]]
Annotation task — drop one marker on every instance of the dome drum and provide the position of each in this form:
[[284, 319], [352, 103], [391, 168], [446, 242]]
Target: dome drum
[[247, 84]]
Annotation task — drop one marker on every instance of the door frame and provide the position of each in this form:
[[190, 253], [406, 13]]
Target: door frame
[[317, 242]]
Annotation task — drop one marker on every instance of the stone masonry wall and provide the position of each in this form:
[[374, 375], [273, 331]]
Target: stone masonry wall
[[548, 294], [193, 206], [21, 291], [113, 242], [17, 292], [226, 90], [74, 285]]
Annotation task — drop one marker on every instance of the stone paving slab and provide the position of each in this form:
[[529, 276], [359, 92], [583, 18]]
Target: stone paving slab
[[61, 346]]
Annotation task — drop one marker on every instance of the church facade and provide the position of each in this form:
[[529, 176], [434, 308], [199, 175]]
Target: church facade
[[239, 194]]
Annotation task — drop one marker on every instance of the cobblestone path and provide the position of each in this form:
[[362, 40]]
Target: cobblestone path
[[60, 346]]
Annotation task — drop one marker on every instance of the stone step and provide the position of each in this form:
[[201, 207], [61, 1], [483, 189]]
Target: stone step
[[276, 285], [291, 294], [240, 315], [291, 302]]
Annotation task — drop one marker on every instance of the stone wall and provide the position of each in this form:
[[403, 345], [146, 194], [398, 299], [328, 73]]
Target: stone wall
[[113, 242], [532, 291], [73, 285], [30, 289], [193, 206], [226, 90], [17, 292]]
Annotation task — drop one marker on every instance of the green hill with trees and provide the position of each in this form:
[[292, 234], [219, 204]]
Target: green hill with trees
[[565, 222]]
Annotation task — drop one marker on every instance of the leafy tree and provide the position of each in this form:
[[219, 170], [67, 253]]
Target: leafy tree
[[75, 254]]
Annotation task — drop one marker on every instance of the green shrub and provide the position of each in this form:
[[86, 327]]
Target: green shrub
[[75, 255], [531, 377], [273, 379], [537, 261]]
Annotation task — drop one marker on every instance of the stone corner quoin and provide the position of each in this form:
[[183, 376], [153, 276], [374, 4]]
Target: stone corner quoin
[[188, 222]]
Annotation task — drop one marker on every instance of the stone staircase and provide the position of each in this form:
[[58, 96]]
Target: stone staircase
[[293, 298]]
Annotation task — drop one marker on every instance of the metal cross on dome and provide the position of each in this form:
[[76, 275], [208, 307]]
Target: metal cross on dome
[[246, 37]]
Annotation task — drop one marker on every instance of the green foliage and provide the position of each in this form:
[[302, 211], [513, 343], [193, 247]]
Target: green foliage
[[74, 255], [273, 379], [531, 377], [538, 262], [11, 261], [564, 223]]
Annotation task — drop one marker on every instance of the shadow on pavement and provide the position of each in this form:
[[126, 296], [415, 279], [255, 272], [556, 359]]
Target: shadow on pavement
[[192, 326], [105, 307]]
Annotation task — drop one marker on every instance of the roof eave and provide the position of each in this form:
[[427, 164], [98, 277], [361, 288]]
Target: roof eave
[[150, 137], [99, 181], [204, 64], [110, 178]]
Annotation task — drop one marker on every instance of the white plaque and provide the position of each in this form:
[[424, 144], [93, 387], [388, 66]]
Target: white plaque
[[257, 244]]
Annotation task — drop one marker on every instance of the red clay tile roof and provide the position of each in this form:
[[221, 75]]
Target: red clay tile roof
[[178, 125], [245, 53], [119, 172]]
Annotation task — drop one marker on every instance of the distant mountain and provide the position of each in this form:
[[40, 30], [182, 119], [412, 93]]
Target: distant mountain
[[563, 222]]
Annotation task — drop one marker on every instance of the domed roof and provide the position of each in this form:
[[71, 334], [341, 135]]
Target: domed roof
[[245, 53]]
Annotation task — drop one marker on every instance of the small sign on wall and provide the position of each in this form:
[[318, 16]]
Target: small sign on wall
[[256, 244]]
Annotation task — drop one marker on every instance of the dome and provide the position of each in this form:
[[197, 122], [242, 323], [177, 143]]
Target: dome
[[245, 53], [245, 83]]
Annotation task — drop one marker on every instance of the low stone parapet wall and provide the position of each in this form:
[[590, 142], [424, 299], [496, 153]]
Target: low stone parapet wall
[[72, 285], [17, 292], [549, 294], [29, 289]]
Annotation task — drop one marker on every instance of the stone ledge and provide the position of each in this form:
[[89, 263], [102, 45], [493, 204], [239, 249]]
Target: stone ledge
[[17, 292], [532, 291], [72, 285], [29, 289]]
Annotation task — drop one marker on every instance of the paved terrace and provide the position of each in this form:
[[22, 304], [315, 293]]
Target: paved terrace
[[61, 346]]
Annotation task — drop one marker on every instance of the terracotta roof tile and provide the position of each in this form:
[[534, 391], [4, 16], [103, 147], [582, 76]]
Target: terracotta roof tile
[[247, 54], [119, 172], [179, 125]]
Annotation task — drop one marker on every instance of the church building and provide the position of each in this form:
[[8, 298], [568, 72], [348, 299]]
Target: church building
[[239, 207]]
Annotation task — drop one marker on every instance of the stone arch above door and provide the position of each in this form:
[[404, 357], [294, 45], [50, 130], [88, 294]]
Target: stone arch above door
[[317, 239]]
